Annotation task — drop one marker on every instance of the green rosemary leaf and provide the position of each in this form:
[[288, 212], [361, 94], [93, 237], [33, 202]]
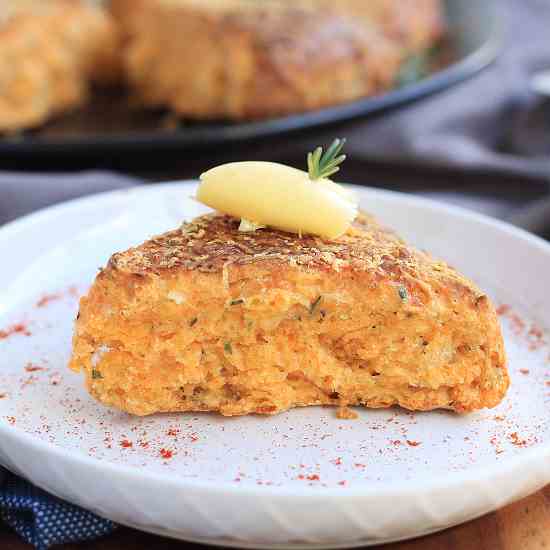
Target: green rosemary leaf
[[193, 321], [96, 375], [236, 302], [322, 165], [336, 146], [228, 348], [403, 294], [331, 172]]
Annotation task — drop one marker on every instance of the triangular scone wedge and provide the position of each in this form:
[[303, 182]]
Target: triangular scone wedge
[[207, 318]]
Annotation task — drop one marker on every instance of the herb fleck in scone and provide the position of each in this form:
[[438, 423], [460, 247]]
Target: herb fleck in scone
[[207, 318]]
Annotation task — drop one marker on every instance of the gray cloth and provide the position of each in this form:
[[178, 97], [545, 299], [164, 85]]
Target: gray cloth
[[24, 193]]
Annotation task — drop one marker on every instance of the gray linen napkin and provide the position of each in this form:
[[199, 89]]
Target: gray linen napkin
[[22, 193]]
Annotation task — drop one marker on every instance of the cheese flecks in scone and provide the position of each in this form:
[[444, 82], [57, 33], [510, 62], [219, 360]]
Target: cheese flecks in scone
[[208, 318]]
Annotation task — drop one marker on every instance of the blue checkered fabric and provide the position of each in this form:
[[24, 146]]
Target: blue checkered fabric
[[44, 520]]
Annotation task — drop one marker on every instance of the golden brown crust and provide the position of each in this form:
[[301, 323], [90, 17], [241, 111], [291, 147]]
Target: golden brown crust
[[414, 24], [50, 52], [244, 59], [212, 241], [257, 62], [207, 318]]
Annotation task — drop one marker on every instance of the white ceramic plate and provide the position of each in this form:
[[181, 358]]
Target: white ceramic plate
[[303, 478]]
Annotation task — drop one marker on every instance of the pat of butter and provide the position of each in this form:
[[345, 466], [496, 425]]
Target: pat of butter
[[278, 196]]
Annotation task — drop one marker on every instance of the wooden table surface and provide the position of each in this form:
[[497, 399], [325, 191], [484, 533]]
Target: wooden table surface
[[524, 525]]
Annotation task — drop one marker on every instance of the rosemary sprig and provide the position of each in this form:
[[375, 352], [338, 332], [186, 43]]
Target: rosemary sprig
[[323, 165]]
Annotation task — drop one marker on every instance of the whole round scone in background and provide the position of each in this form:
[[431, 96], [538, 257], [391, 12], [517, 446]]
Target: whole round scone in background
[[242, 59], [51, 51]]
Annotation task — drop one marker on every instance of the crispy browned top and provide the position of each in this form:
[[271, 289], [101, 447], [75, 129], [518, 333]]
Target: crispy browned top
[[212, 242]]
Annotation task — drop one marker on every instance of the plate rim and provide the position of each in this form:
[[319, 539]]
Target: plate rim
[[403, 488]]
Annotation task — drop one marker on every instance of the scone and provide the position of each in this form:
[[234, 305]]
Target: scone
[[415, 24], [249, 59], [51, 51], [208, 318], [241, 59]]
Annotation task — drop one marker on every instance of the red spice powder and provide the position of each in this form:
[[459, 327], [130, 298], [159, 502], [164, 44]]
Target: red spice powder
[[343, 482], [503, 309], [359, 465], [172, 432], [313, 477], [144, 444], [535, 332], [413, 443], [337, 461], [496, 444], [524, 371], [166, 454], [547, 382], [47, 298], [3, 395], [518, 325], [33, 368], [18, 328], [194, 438], [125, 444], [536, 338], [396, 443]]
